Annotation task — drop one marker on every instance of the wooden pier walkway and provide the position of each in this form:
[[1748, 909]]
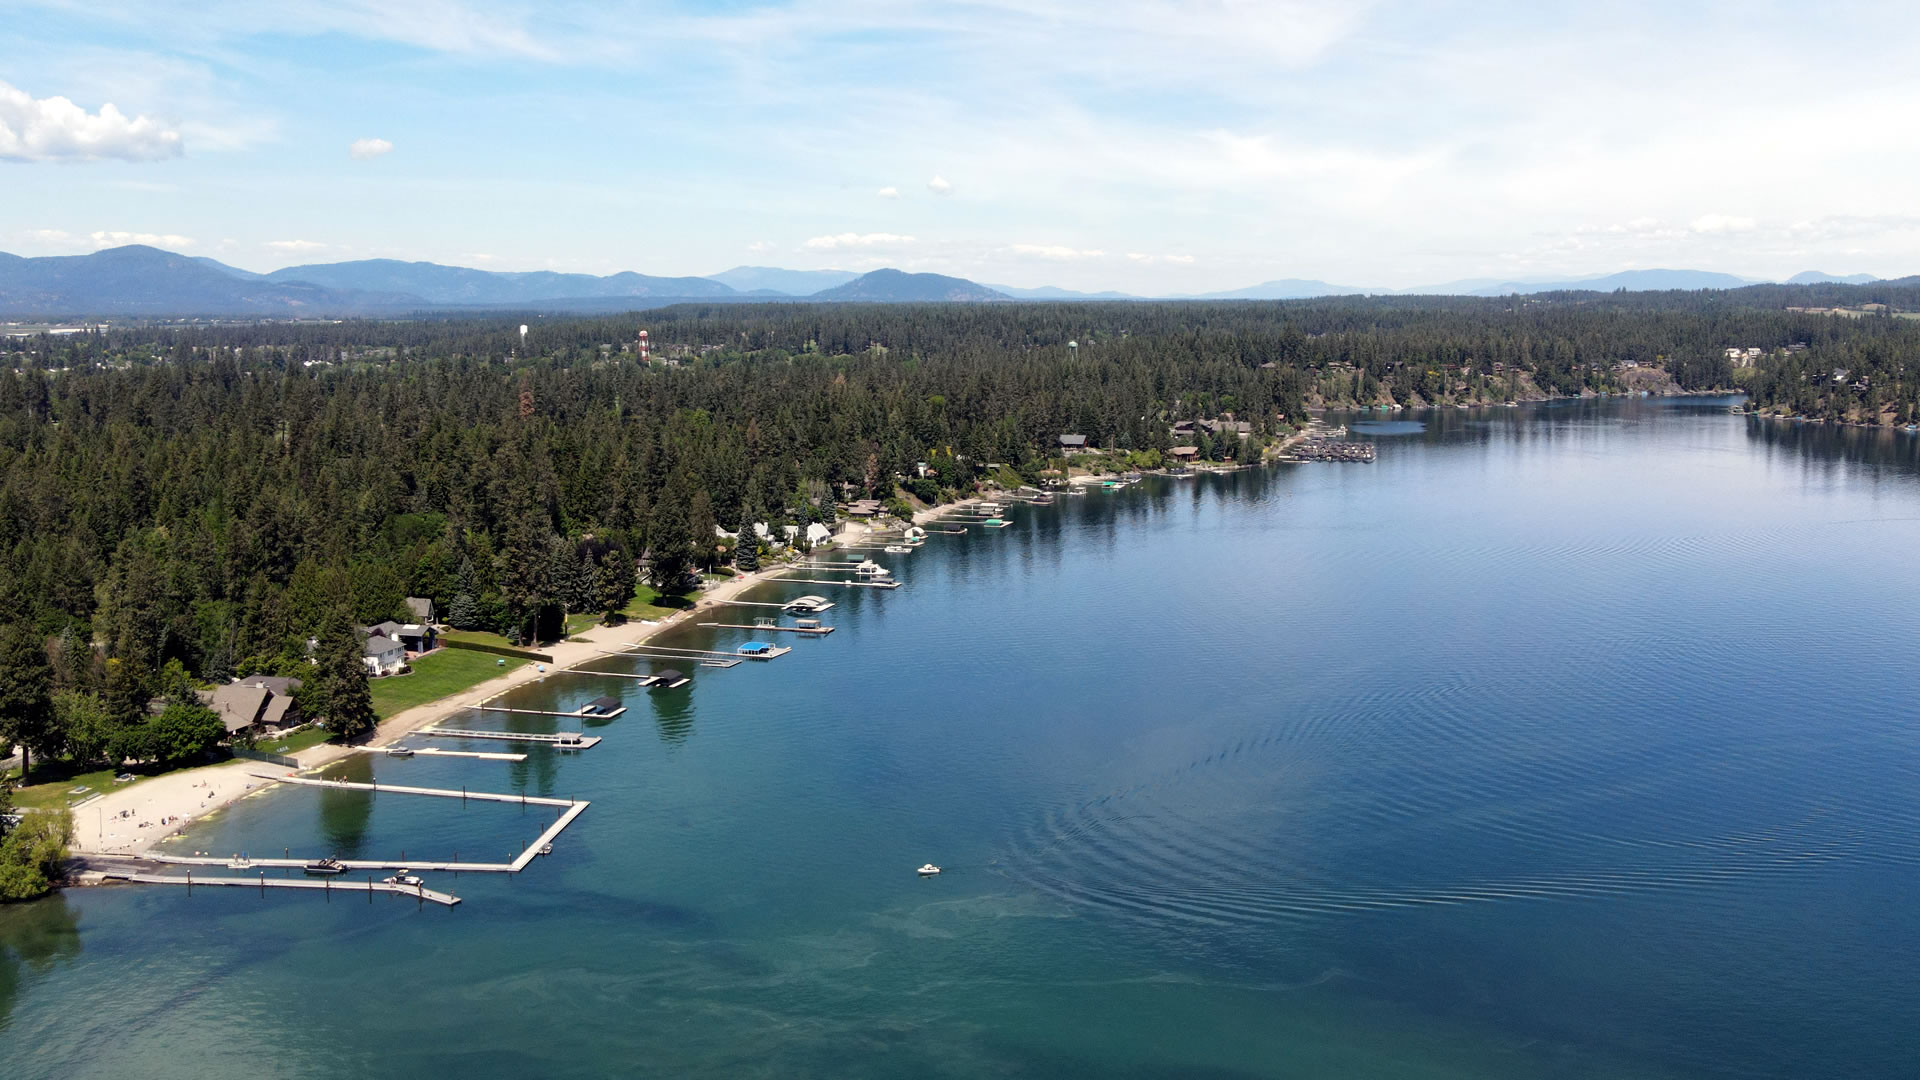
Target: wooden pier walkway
[[442, 793], [816, 630], [437, 752], [581, 714], [567, 739], [673, 652], [263, 883], [849, 584]]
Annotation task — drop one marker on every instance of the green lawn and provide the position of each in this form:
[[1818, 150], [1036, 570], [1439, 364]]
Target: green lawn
[[648, 603], [53, 783], [312, 735], [438, 674]]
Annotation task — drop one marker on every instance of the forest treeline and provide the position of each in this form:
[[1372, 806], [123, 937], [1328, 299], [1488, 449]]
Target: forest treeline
[[224, 498]]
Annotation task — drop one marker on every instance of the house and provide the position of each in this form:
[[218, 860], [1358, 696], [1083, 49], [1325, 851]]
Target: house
[[1073, 442], [863, 508], [383, 655], [259, 704], [818, 533], [416, 638], [421, 608], [1184, 453]]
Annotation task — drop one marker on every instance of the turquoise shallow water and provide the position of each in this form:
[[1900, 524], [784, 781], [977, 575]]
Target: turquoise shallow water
[[1569, 741]]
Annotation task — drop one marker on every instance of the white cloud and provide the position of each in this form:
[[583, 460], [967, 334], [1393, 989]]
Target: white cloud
[[888, 193], [844, 241], [363, 149], [1721, 223], [55, 129], [1055, 251], [939, 186], [115, 239], [1152, 260], [293, 246], [761, 247]]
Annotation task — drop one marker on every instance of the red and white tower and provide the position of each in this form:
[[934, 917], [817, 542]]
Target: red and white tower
[[644, 347]]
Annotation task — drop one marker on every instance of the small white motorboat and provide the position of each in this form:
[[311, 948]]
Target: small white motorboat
[[928, 870], [897, 549], [403, 878]]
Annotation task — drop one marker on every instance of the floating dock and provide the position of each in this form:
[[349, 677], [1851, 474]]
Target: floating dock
[[565, 739], [849, 584], [816, 630], [674, 653], [263, 883], [649, 681]]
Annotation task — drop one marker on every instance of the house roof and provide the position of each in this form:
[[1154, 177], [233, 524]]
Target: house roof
[[668, 675], [275, 713], [1184, 451], [379, 645], [1073, 440], [239, 706], [275, 683], [385, 629], [602, 704], [421, 607]]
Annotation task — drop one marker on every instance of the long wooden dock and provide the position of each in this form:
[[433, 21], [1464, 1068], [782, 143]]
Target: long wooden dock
[[672, 652], [817, 630], [437, 752], [580, 714], [403, 789], [849, 584], [263, 883], [567, 739]]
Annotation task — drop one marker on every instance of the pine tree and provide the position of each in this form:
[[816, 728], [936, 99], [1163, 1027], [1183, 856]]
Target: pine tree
[[343, 673], [746, 556], [26, 692]]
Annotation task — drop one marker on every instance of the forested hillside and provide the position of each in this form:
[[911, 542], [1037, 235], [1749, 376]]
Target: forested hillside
[[216, 496]]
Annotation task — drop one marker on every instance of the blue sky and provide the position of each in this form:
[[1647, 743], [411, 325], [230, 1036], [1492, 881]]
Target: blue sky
[[1148, 145]]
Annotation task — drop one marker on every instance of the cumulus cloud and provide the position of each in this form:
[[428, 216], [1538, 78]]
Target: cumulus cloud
[[55, 129], [1056, 251], [1150, 260], [844, 241], [1721, 223], [760, 247], [295, 245], [888, 193], [939, 186], [364, 149]]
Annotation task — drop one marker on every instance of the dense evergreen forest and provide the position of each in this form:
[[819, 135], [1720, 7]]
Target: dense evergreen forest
[[203, 501]]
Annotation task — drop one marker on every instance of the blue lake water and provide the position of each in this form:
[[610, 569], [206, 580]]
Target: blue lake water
[[1575, 741]]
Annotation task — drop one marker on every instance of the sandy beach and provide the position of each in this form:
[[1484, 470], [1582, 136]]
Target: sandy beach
[[130, 820]]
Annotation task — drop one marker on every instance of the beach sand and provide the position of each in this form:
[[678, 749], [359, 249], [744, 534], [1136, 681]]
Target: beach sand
[[113, 824]]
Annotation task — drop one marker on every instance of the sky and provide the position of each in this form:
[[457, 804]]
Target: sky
[[1151, 146]]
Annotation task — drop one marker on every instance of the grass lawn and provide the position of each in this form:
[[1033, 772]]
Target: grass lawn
[[52, 783], [438, 674], [649, 603], [583, 621], [312, 735]]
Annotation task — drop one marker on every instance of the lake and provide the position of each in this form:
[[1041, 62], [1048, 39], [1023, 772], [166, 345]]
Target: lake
[[1575, 740]]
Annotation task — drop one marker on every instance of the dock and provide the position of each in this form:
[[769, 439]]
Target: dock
[[263, 883], [579, 714], [567, 739], [441, 793], [432, 751], [849, 584], [815, 630], [649, 681], [760, 603], [671, 652]]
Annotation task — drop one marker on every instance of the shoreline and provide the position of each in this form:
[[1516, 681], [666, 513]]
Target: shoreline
[[188, 795]]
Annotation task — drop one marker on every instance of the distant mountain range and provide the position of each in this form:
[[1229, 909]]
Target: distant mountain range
[[140, 280], [895, 286]]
